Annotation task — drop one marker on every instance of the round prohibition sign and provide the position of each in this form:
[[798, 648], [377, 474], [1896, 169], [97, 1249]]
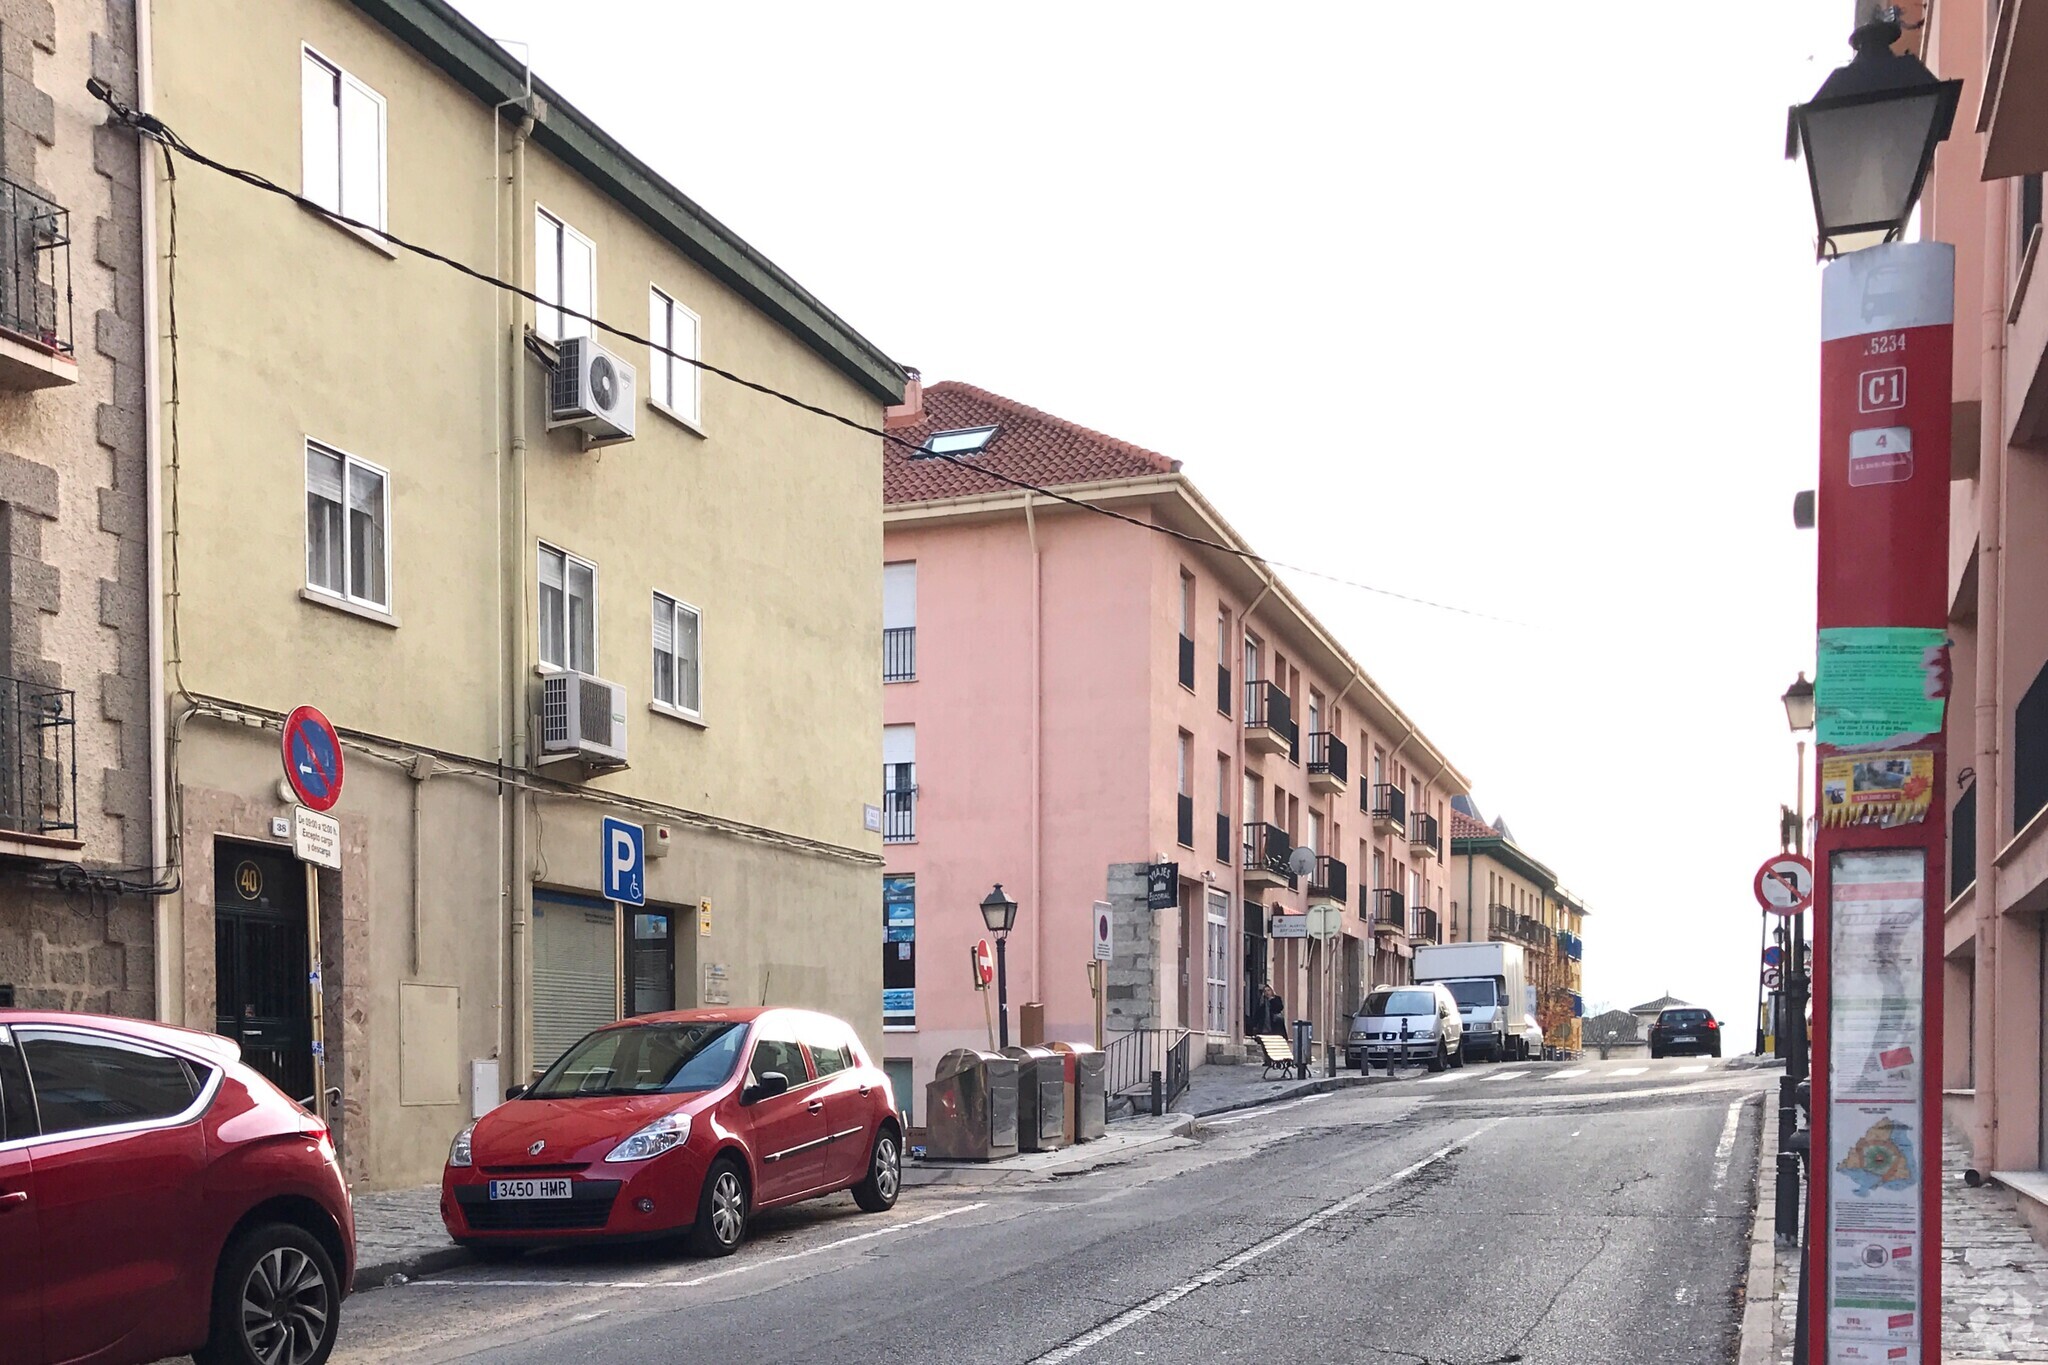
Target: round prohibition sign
[[1784, 884], [312, 758]]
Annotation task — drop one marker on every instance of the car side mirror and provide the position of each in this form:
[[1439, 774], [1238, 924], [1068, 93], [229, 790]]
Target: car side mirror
[[771, 1084], [513, 1092]]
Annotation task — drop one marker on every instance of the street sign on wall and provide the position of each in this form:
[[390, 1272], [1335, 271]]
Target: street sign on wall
[[625, 861], [1162, 886], [312, 758]]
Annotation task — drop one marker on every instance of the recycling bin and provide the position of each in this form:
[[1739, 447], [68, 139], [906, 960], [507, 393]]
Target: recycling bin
[[1087, 1069], [971, 1107], [1041, 1098]]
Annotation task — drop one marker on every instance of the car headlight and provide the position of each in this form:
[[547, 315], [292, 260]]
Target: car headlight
[[458, 1150], [670, 1130]]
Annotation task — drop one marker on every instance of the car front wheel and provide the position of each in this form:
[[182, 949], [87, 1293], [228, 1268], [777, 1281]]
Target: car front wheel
[[877, 1193], [276, 1301], [721, 1210]]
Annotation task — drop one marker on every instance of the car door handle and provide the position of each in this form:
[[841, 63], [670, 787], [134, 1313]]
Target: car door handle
[[13, 1198], [816, 1106], [864, 1089]]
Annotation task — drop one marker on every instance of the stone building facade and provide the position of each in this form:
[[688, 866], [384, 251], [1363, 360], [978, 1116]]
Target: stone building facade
[[77, 920]]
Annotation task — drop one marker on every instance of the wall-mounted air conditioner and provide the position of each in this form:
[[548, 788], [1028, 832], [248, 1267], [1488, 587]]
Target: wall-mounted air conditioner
[[583, 717], [594, 390]]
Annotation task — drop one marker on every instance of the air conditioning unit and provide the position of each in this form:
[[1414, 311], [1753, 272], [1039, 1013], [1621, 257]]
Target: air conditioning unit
[[583, 717], [592, 389]]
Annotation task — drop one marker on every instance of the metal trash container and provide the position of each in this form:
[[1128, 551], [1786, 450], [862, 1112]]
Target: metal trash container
[[1041, 1098], [1087, 1090], [971, 1107]]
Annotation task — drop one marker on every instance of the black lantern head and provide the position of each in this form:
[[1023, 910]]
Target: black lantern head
[[998, 911]]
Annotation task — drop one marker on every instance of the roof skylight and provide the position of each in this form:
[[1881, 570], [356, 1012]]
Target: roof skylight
[[964, 441]]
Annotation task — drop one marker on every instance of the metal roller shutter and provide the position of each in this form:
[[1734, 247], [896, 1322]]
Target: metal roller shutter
[[575, 971]]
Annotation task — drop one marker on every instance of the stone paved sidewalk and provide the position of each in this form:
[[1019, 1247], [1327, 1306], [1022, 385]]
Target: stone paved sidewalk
[[1218, 1088], [400, 1232], [1994, 1276]]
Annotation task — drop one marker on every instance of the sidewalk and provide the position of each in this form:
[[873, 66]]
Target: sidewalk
[[1994, 1276], [1218, 1088], [1123, 1140]]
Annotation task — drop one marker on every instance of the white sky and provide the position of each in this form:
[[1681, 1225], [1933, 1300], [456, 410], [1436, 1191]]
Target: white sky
[[1507, 306]]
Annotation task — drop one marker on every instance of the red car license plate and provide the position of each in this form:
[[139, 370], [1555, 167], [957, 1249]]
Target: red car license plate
[[530, 1189]]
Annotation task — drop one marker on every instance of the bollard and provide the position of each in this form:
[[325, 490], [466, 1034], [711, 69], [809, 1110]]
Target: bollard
[[1158, 1094]]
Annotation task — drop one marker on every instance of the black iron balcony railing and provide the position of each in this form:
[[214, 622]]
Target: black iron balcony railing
[[1327, 754], [1184, 822], [899, 654], [1222, 837], [899, 803], [35, 288], [1389, 802], [1425, 928], [1223, 689], [1422, 831], [38, 759], [1187, 663], [1501, 922], [1265, 850], [1962, 843], [1331, 880], [1266, 707], [1390, 909]]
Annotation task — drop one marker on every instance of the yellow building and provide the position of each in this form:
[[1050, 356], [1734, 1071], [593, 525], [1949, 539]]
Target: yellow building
[[1501, 894], [402, 495]]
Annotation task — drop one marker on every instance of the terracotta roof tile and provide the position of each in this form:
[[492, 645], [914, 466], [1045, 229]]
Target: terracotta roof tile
[[1030, 445], [1464, 826]]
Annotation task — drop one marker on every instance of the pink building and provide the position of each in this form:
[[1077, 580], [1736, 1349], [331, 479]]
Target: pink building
[[1985, 198], [1070, 693]]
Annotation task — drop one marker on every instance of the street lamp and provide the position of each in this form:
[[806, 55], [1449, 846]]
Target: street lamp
[[999, 913], [1869, 135], [1798, 701], [1799, 718]]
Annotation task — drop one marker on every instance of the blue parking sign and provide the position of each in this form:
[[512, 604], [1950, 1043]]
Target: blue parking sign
[[625, 862]]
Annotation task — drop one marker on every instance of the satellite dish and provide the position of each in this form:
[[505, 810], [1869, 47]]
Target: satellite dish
[[1302, 861]]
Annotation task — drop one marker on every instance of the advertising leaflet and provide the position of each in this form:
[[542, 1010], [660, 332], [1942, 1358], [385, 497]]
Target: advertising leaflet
[[1876, 1137]]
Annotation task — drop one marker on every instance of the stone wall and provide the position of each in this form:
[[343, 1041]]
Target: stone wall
[[1132, 999], [73, 514]]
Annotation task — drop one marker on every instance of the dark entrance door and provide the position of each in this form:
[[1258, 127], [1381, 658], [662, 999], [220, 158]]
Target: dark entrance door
[[650, 961], [261, 962], [1254, 968]]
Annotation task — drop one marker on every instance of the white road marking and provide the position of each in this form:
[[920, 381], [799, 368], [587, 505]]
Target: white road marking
[[1444, 1079], [1683, 1070], [1628, 1071], [1509, 1075], [701, 1279], [1167, 1298], [1724, 1150], [1567, 1074], [1262, 1111]]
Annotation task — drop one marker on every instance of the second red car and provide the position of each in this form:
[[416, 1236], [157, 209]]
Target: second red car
[[684, 1122]]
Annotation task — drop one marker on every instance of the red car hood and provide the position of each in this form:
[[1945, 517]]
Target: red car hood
[[575, 1130]]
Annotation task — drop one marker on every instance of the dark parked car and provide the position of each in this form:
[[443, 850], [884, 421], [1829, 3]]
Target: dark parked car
[[157, 1198], [683, 1123], [1685, 1029]]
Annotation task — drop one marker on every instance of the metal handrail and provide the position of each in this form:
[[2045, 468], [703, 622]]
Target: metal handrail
[[35, 287], [38, 759], [1265, 850], [1390, 907], [899, 654], [1331, 880], [1389, 802], [1266, 706], [1134, 1060]]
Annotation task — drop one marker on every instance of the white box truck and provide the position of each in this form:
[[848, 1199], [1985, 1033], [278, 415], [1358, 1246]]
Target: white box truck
[[1495, 999]]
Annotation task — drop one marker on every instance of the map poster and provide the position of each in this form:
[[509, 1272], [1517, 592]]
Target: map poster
[[1876, 975], [1874, 1166]]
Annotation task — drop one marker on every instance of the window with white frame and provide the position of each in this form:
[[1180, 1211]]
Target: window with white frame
[[568, 611], [341, 140], [348, 508], [564, 275], [672, 382], [678, 668]]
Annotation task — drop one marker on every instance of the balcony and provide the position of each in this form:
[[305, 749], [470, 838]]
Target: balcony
[[38, 772], [1329, 764], [1268, 723], [1389, 912], [1424, 926], [1187, 663], [1265, 858], [899, 803], [1502, 924], [1331, 881], [35, 292], [1423, 838], [1962, 844], [1184, 821], [1389, 809], [2013, 110], [899, 654]]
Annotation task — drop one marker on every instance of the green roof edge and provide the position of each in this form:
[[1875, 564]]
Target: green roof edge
[[468, 55]]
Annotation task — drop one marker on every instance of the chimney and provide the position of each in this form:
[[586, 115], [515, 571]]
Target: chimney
[[910, 411]]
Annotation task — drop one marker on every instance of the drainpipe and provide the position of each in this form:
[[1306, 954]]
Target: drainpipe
[[1468, 892], [419, 770], [1038, 977], [512, 511], [1237, 723], [152, 438], [1990, 686]]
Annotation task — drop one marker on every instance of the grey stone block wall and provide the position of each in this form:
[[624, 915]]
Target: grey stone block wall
[[1132, 994]]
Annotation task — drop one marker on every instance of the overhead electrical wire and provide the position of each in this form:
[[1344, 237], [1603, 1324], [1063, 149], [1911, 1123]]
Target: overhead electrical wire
[[148, 125]]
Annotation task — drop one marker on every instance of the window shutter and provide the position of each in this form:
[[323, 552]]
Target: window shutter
[[362, 154], [323, 474], [319, 133], [551, 569], [547, 274], [664, 625]]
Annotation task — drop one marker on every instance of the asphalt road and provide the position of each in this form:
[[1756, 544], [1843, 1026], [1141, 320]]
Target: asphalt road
[[1592, 1213]]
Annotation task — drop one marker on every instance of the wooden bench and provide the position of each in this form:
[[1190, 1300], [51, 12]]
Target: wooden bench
[[1275, 1054]]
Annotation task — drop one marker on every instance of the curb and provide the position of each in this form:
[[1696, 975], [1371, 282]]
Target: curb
[[1759, 1341], [378, 1274], [1320, 1085], [1087, 1157]]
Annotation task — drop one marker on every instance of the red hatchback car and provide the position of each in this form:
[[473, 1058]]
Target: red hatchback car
[[159, 1198], [685, 1122]]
